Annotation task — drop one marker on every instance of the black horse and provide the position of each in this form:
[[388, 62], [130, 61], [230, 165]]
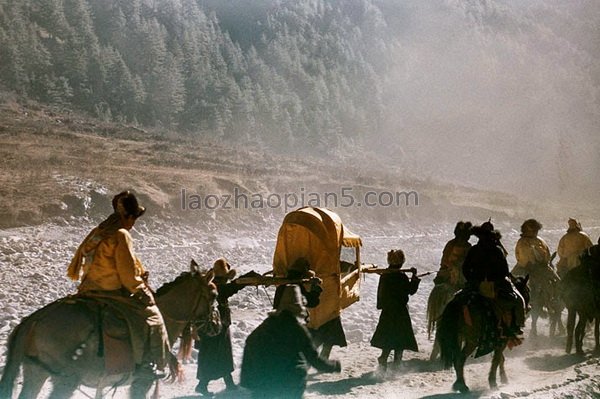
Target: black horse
[[544, 285], [467, 326], [578, 290]]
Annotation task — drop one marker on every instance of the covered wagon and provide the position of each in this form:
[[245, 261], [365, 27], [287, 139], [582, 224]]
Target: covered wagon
[[318, 235]]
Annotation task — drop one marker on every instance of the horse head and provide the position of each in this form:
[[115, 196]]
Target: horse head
[[190, 298]]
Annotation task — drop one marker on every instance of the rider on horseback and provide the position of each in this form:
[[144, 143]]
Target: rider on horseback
[[532, 253], [571, 246], [486, 271], [453, 257], [108, 269]]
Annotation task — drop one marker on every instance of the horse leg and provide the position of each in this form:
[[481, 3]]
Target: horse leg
[[435, 351], [459, 368], [497, 361], [63, 387], [597, 335], [561, 326], [534, 317], [552, 317], [571, 314], [579, 334], [503, 376], [34, 378]]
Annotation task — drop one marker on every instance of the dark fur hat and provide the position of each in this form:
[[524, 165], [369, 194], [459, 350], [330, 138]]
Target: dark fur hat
[[125, 203], [486, 230], [396, 257], [531, 226], [222, 269], [463, 229]]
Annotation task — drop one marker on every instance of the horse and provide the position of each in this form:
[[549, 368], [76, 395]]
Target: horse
[[462, 329], [545, 298], [577, 291], [68, 341], [440, 296]]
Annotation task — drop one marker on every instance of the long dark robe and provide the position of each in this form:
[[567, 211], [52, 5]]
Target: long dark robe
[[215, 356], [330, 333], [394, 329], [276, 358]]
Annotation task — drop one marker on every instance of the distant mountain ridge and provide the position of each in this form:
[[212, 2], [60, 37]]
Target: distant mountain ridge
[[498, 94]]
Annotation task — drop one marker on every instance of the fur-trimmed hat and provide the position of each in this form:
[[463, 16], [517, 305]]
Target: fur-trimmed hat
[[574, 224], [531, 225], [486, 230], [223, 270], [395, 257], [126, 204], [463, 229]]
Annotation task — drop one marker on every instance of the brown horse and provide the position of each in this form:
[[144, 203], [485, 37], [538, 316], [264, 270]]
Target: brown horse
[[62, 342], [461, 332], [440, 296]]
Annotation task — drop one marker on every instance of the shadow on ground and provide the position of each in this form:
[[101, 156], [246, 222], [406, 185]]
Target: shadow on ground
[[344, 386], [553, 363]]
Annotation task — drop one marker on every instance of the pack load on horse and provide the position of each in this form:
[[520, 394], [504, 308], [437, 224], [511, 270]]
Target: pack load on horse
[[116, 329], [449, 278], [534, 259], [580, 290], [486, 316], [309, 248]]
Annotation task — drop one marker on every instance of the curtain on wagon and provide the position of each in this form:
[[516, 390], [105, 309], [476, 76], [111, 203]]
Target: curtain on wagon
[[318, 235]]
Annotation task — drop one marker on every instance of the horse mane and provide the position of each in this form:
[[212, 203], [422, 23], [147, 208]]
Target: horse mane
[[168, 286]]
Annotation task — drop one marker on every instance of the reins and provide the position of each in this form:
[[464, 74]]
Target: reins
[[191, 318]]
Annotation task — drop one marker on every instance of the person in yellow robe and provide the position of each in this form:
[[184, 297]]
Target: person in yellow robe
[[107, 268], [571, 246], [531, 251]]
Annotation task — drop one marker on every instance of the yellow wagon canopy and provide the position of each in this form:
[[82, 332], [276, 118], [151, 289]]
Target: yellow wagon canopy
[[318, 235]]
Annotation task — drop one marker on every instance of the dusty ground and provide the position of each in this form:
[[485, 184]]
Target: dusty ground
[[58, 173]]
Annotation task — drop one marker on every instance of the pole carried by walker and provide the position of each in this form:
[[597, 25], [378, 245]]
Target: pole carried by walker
[[268, 280], [374, 269]]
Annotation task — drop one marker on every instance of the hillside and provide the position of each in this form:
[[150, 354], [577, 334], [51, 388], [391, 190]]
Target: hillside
[[497, 93], [64, 166]]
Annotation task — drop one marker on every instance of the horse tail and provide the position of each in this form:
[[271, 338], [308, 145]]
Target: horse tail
[[448, 333], [14, 358], [430, 317], [185, 345], [175, 368]]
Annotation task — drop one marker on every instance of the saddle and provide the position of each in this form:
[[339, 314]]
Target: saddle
[[116, 343], [115, 334], [493, 319]]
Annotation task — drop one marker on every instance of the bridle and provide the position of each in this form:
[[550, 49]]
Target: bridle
[[191, 318]]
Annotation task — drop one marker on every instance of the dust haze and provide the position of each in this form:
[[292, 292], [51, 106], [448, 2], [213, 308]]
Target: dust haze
[[497, 94]]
